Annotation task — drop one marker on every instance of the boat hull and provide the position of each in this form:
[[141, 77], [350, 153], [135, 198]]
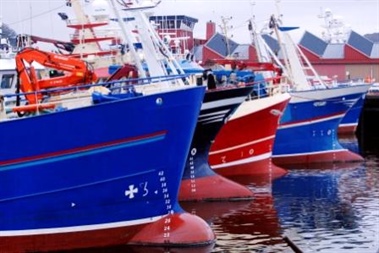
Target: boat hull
[[308, 129], [146, 235], [349, 122], [82, 178], [244, 144], [198, 176]]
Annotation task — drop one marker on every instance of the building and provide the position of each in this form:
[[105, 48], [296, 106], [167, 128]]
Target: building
[[176, 31], [357, 57], [351, 58]]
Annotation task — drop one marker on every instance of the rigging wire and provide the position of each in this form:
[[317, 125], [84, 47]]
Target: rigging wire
[[37, 15], [19, 17], [51, 20]]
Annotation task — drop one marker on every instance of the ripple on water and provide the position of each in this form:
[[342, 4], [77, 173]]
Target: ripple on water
[[323, 210]]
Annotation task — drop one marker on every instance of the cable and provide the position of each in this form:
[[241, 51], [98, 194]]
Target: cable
[[38, 15]]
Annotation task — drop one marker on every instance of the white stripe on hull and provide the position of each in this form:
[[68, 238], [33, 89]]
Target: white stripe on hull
[[256, 105], [321, 94], [243, 161], [83, 228], [309, 122], [212, 117], [242, 145], [310, 153], [213, 113], [348, 124], [222, 102], [217, 118]]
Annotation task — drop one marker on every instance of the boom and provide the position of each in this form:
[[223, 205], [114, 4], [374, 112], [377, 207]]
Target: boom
[[77, 72]]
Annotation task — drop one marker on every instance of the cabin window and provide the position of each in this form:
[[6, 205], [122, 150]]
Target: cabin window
[[7, 81]]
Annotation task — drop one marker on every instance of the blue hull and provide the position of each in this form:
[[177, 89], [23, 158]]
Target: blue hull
[[217, 106], [104, 166], [309, 125], [198, 175], [349, 122]]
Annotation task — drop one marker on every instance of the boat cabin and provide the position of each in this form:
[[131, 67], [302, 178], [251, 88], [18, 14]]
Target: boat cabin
[[8, 77]]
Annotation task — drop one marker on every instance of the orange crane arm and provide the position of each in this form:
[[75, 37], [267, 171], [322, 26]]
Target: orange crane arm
[[78, 72]]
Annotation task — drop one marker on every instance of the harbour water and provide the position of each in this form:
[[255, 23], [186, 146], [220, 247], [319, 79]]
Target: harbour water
[[327, 209]]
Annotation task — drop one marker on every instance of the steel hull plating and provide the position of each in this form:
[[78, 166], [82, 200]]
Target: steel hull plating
[[308, 128], [244, 144], [349, 122], [199, 181], [81, 176]]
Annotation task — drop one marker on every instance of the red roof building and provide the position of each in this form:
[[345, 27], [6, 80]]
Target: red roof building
[[356, 57]]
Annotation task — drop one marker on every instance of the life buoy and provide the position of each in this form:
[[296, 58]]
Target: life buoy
[[369, 79]]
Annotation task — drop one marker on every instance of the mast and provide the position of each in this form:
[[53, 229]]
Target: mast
[[299, 69], [224, 28], [155, 53], [84, 29], [129, 40]]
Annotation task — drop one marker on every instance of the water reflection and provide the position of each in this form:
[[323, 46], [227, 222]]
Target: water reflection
[[350, 141], [327, 208], [249, 226], [142, 249], [330, 210]]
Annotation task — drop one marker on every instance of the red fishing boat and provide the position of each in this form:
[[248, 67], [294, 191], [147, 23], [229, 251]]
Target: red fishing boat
[[244, 144]]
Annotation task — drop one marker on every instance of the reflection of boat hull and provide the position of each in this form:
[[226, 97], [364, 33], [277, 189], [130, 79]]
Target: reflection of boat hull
[[308, 127], [199, 181], [144, 249], [248, 225], [244, 144], [80, 179], [210, 210], [318, 192]]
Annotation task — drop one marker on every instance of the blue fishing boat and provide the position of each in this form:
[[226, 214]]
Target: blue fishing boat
[[308, 128], [83, 167], [350, 121], [109, 171], [158, 61], [199, 181]]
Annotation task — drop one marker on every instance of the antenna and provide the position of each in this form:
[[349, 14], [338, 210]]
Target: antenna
[[335, 29], [224, 29]]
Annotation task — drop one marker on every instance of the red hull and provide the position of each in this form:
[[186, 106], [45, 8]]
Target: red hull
[[342, 155], [347, 129], [258, 168], [168, 231], [208, 188], [244, 144]]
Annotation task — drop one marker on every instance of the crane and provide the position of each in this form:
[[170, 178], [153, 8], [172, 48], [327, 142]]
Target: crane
[[76, 72]]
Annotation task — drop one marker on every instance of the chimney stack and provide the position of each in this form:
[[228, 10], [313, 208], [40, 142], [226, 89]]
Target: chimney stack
[[210, 29]]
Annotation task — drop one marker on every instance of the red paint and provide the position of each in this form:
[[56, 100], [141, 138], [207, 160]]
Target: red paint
[[259, 168], [173, 230], [337, 156], [176, 229], [350, 129], [208, 188], [250, 136]]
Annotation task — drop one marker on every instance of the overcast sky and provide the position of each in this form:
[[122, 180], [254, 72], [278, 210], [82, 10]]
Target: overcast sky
[[39, 17]]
